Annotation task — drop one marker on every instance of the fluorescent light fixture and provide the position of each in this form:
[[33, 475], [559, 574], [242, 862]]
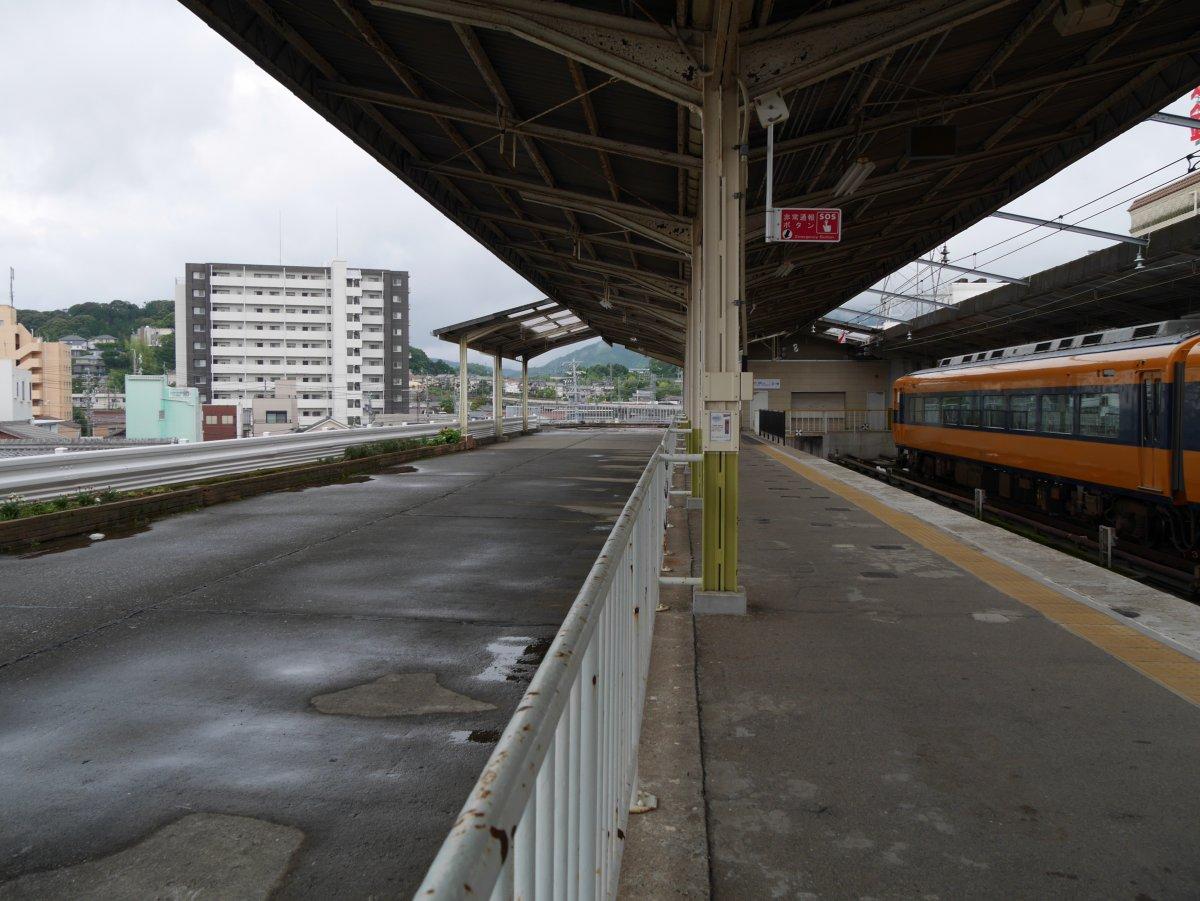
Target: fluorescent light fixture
[[853, 177]]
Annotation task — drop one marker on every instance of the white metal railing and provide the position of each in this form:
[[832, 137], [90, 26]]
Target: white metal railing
[[130, 468], [547, 817], [812, 422]]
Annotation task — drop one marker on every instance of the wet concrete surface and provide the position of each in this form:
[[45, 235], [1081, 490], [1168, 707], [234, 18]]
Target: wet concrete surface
[[171, 673], [884, 724]]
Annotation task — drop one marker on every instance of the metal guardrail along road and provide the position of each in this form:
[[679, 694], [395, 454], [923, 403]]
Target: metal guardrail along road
[[546, 818], [131, 468]]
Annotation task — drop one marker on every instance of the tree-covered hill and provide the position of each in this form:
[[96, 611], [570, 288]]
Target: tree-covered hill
[[118, 318]]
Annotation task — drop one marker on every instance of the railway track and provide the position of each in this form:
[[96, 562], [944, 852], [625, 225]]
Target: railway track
[[1176, 574]]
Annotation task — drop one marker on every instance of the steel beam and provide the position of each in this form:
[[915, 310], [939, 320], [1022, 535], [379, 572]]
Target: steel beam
[[943, 106], [967, 271], [1172, 119], [490, 120], [1077, 229], [669, 230], [812, 48], [912, 297], [629, 49]]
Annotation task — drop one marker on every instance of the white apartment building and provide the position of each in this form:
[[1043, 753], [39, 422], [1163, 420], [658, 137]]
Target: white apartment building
[[341, 334], [16, 392]]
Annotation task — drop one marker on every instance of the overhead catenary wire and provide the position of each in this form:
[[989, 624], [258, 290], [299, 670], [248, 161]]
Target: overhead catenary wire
[[910, 280]]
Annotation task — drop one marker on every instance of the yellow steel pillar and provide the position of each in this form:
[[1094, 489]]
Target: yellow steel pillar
[[498, 395], [525, 393], [722, 180], [464, 405]]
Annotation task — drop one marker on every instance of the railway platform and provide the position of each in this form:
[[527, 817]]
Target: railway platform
[[920, 704]]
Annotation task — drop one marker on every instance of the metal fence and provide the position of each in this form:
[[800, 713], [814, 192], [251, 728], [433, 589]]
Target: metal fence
[[652, 414], [773, 423], [547, 817], [810, 422], [131, 468]]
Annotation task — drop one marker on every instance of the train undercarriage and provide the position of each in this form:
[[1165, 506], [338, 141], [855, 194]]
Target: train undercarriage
[[1153, 522]]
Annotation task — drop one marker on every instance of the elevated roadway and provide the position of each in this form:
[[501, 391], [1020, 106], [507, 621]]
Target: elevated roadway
[[291, 693]]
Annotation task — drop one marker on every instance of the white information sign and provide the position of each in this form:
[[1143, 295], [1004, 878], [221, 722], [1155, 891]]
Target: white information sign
[[720, 427], [766, 384]]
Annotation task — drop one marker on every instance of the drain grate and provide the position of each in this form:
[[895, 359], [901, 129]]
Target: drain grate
[[887, 547], [839, 509], [823, 525], [878, 574]]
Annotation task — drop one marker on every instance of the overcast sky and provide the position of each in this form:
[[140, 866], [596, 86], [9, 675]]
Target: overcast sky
[[134, 139]]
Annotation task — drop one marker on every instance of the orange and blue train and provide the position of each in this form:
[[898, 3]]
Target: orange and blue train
[[1103, 428]]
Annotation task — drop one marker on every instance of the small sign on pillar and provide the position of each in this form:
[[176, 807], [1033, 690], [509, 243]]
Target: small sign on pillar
[[720, 427]]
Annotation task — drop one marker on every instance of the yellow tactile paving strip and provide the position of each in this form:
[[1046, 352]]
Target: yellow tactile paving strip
[[1165, 665]]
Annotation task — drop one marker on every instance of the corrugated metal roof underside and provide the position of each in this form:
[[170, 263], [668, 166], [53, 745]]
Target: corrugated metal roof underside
[[1026, 101]]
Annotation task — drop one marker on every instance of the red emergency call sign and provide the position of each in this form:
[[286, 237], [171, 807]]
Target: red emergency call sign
[[807, 225]]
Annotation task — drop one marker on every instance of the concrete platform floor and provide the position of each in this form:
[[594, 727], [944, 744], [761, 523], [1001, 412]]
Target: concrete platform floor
[[291, 693], [887, 724]]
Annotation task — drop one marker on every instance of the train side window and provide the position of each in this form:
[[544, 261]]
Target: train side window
[[933, 411], [950, 409], [1100, 414], [1058, 413], [1023, 412], [993, 411], [968, 411]]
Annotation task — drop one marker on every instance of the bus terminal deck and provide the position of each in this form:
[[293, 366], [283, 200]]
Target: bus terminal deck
[[917, 704]]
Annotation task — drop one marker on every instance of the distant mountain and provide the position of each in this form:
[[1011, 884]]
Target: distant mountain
[[592, 354]]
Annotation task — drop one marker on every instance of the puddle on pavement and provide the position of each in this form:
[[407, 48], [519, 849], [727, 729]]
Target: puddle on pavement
[[358, 479], [74, 542], [398, 694], [515, 658], [478, 736]]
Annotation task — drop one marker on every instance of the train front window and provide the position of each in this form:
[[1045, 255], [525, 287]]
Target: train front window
[[1058, 414], [1023, 411], [993, 411], [914, 409], [1100, 414]]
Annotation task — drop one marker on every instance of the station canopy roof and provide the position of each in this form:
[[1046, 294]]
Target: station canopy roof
[[1106, 289], [564, 136], [520, 332]]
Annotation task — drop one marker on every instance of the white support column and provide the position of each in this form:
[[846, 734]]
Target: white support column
[[463, 387], [498, 395], [525, 394], [693, 370], [721, 297]]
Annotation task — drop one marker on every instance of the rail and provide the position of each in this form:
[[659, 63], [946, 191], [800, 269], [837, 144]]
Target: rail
[[131, 468], [547, 817]]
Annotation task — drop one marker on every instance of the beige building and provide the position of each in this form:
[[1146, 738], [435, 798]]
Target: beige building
[[48, 363], [276, 415]]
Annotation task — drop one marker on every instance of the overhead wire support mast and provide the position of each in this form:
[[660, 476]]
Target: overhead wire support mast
[[1077, 229]]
